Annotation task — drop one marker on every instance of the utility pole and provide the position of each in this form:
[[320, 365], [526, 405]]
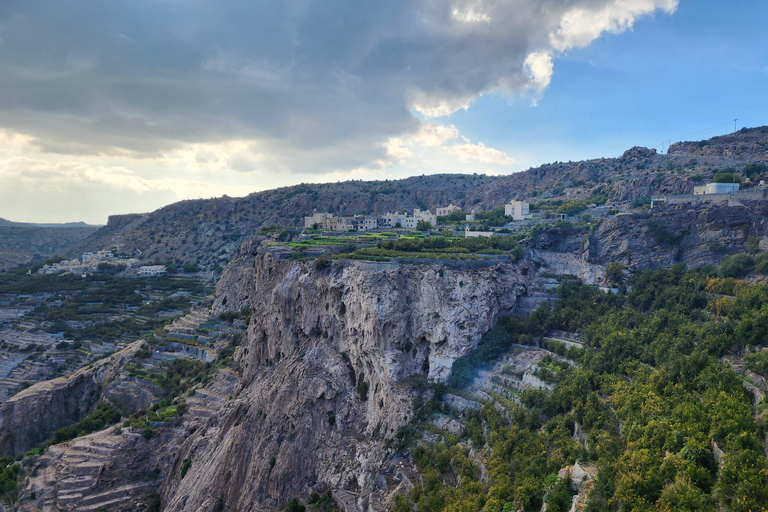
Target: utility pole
[[734, 125]]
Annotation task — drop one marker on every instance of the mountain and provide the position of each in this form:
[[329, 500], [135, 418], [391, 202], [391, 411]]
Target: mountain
[[8, 223], [207, 232], [611, 362], [20, 244]]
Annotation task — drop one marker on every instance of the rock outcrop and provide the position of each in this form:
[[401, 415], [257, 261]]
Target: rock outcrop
[[696, 235], [326, 364], [33, 415]]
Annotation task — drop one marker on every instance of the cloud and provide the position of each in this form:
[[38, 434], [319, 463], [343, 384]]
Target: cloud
[[481, 154], [298, 88], [582, 24]]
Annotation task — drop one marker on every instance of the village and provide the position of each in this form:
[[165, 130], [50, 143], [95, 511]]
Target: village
[[424, 220], [90, 263]]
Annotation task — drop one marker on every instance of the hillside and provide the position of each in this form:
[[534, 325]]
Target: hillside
[[613, 361], [21, 244], [207, 232]]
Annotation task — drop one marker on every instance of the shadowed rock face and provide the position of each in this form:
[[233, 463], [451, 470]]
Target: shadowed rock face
[[683, 233], [324, 362]]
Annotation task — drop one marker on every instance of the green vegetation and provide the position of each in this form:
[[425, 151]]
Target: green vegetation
[[9, 476], [423, 225], [98, 419], [726, 177], [322, 502], [650, 391], [295, 506], [753, 169], [103, 307], [663, 236], [572, 207], [457, 216], [438, 248], [738, 265]]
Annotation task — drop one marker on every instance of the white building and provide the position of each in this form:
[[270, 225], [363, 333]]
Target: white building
[[518, 210], [151, 270], [715, 188], [442, 212], [475, 234]]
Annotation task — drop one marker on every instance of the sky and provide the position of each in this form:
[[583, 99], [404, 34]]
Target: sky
[[113, 107]]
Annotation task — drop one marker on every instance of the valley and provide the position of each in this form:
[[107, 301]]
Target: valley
[[605, 354]]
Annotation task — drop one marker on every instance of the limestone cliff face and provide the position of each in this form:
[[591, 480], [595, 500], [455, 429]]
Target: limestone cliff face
[[324, 366]]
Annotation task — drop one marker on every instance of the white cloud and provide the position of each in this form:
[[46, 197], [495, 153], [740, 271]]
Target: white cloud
[[581, 25], [433, 134], [540, 68], [481, 154], [470, 12]]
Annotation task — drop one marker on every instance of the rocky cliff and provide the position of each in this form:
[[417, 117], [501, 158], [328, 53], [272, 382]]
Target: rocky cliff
[[696, 235], [327, 366], [33, 415]]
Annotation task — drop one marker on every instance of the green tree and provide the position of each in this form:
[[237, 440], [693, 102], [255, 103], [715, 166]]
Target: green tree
[[423, 225], [737, 265], [614, 272], [726, 177]]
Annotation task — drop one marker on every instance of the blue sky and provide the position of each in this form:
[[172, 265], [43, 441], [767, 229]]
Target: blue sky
[[683, 75], [117, 107]]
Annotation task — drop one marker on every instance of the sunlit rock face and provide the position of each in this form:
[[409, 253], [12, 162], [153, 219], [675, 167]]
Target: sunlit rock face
[[326, 364]]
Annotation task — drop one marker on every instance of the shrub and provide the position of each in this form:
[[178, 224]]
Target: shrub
[[295, 506], [761, 263], [322, 263], [726, 177], [614, 272], [572, 207], [362, 388], [752, 245], [423, 225], [185, 466], [737, 265], [753, 169]]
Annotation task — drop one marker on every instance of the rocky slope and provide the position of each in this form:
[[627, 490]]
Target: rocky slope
[[33, 415], [326, 365], [209, 231], [746, 144], [20, 244], [695, 235]]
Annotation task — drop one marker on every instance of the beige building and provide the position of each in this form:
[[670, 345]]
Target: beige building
[[518, 210], [317, 218], [365, 223], [340, 224], [151, 270], [442, 212], [425, 215]]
